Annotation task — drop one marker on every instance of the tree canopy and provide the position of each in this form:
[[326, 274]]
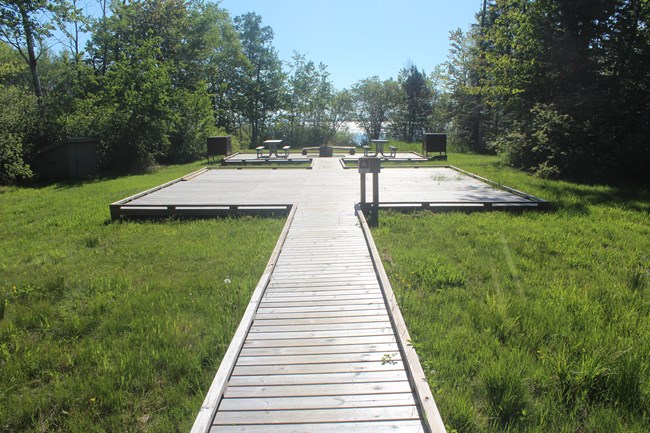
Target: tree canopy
[[559, 88]]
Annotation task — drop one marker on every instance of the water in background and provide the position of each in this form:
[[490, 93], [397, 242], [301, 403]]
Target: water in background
[[358, 136]]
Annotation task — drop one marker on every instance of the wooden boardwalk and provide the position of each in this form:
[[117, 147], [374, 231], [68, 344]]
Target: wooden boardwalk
[[321, 351], [322, 346]]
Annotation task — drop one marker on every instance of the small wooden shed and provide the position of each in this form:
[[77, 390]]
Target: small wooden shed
[[75, 157]]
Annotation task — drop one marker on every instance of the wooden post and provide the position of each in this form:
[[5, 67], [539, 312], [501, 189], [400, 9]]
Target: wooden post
[[370, 165], [375, 200]]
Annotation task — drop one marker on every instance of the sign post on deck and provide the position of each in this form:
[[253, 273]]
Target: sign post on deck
[[370, 165]]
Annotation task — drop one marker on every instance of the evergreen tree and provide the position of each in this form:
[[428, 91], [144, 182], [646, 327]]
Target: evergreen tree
[[413, 113]]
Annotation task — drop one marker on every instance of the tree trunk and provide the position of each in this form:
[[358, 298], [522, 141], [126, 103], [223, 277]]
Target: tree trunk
[[31, 54]]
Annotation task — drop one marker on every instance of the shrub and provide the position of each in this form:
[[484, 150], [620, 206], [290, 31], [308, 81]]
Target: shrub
[[17, 116]]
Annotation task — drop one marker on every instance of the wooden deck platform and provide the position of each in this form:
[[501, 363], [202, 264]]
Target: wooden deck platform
[[322, 346], [227, 191]]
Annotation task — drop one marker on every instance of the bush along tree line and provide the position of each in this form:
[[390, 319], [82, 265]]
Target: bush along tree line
[[559, 88]]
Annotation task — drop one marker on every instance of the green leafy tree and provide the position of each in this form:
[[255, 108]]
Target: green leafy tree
[[162, 52], [18, 110], [585, 61], [263, 79], [374, 102], [441, 106], [226, 67], [26, 25], [340, 111], [137, 118], [309, 99]]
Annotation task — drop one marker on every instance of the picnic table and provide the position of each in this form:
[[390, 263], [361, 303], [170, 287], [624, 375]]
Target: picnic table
[[273, 146], [379, 148]]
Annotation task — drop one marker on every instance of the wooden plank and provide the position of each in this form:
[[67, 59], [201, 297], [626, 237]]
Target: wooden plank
[[292, 274], [341, 367], [321, 350], [357, 306], [329, 285], [350, 319], [273, 294], [316, 302], [279, 293], [319, 314], [318, 379], [323, 262], [328, 402], [338, 333], [317, 359], [338, 278], [319, 327], [321, 250], [356, 427], [333, 341], [298, 298], [348, 260], [391, 413], [318, 389], [336, 287]]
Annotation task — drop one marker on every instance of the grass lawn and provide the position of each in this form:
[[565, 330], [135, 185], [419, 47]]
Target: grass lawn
[[116, 327], [534, 321], [537, 321]]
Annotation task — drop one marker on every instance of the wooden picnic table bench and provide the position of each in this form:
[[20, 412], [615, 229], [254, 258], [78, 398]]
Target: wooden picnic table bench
[[273, 146]]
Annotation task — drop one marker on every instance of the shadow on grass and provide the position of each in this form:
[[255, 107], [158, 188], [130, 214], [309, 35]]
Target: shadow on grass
[[576, 198], [571, 195], [180, 219], [108, 175]]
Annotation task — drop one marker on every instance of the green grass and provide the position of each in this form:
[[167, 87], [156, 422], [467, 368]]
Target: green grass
[[534, 321], [108, 327]]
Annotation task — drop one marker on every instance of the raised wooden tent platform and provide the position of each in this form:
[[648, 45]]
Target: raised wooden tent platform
[[322, 346], [214, 192]]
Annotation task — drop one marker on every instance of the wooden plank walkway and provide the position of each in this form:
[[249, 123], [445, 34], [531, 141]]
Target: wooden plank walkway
[[321, 352], [322, 346]]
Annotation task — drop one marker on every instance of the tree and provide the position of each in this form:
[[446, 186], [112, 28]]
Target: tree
[[225, 69], [17, 114], [164, 53], [264, 78], [72, 24], [309, 98], [441, 106], [374, 101], [340, 111], [412, 114], [24, 25], [572, 78]]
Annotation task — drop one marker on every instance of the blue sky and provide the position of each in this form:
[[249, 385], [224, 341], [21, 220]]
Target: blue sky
[[358, 39]]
